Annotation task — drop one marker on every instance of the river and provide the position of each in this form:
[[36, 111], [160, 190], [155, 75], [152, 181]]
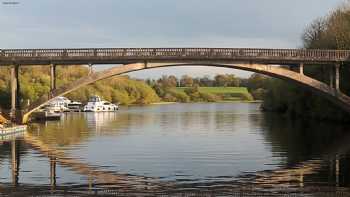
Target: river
[[217, 148]]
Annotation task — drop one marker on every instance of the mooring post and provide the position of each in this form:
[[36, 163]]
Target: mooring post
[[14, 90], [53, 171], [52, 77], [337, 77]]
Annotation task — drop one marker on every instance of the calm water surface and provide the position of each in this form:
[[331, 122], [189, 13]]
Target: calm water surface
[[218, 147]]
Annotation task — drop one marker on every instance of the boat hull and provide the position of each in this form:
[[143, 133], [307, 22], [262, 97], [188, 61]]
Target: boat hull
[[46, 116]]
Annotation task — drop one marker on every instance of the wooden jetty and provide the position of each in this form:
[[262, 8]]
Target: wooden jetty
[[12, 130]]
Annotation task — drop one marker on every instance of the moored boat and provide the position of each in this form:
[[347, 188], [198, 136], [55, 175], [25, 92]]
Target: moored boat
[[96, 104], [46, 115], [74, 106]]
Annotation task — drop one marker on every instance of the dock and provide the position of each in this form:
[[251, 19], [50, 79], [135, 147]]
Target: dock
[[12, 130]]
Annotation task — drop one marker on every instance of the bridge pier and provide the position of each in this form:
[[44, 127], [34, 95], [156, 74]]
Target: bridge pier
[[301, 68], [90, 69], [52, 77], [15, 90], [337, 77], [331, 77]]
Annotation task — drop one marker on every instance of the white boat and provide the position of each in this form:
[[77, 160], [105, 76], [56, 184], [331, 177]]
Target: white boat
[[56, 107], [96, 104], [59, 104], [74, 106]]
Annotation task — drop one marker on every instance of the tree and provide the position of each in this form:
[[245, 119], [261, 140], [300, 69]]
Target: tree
[[257, 81], [226, 80], [314, 33], [330, 32], [206, 81], [220, 80], [186, 81], [168, 82]]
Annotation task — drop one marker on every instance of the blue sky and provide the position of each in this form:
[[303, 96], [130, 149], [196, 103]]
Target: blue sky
[[159, 23]]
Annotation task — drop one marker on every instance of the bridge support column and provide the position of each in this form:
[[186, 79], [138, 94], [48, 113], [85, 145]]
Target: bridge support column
[[90, 69], [15, 89], [301, 68], [337, 77], [52, 77], [331, 77]]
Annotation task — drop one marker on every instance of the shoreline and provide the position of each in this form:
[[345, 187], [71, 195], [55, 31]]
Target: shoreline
[[240, 101]]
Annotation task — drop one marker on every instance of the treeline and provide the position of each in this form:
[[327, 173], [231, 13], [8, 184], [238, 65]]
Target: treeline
[[330, 32], [165, 87], [222, 80], [35, 82]]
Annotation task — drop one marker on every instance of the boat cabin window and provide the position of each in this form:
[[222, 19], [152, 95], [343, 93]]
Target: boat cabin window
[[95, 99], [106, 103]]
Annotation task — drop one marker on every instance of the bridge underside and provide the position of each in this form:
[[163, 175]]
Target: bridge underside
[[328, 91]]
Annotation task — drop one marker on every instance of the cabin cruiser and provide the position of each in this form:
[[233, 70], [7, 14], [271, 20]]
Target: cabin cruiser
[[55, 107], [74, 106], [62, 104], [96, 104], [59, 104]]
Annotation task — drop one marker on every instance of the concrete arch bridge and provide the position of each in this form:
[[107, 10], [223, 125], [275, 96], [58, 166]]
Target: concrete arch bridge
[[134, 59]]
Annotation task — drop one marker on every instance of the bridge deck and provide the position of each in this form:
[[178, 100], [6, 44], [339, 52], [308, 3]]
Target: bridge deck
[[196, 55]]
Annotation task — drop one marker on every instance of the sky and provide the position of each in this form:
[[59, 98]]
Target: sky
[[159, 23]]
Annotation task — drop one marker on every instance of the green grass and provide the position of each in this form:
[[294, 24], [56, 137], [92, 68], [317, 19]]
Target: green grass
[[219, 90], [228, 93]]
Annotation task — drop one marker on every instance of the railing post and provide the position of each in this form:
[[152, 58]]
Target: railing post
[[337, 77], [52, 77]]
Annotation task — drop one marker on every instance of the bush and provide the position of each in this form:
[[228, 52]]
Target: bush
[[180, 96], [258, 94], [207, 97]]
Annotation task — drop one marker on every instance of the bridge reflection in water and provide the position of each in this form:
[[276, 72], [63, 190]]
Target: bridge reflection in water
[[298, 169]]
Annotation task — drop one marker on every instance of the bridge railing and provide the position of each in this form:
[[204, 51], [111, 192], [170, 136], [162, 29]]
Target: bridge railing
[[178, 53]]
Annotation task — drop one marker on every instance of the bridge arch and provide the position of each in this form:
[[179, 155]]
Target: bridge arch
[[336, 97]]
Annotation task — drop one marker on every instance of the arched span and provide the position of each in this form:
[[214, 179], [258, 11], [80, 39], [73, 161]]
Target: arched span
[[321, 88]]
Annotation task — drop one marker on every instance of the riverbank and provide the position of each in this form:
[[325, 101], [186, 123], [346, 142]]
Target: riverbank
[[163, 103], [227, 101]]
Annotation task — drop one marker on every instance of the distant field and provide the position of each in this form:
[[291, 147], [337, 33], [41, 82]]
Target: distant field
[[228, 93]]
